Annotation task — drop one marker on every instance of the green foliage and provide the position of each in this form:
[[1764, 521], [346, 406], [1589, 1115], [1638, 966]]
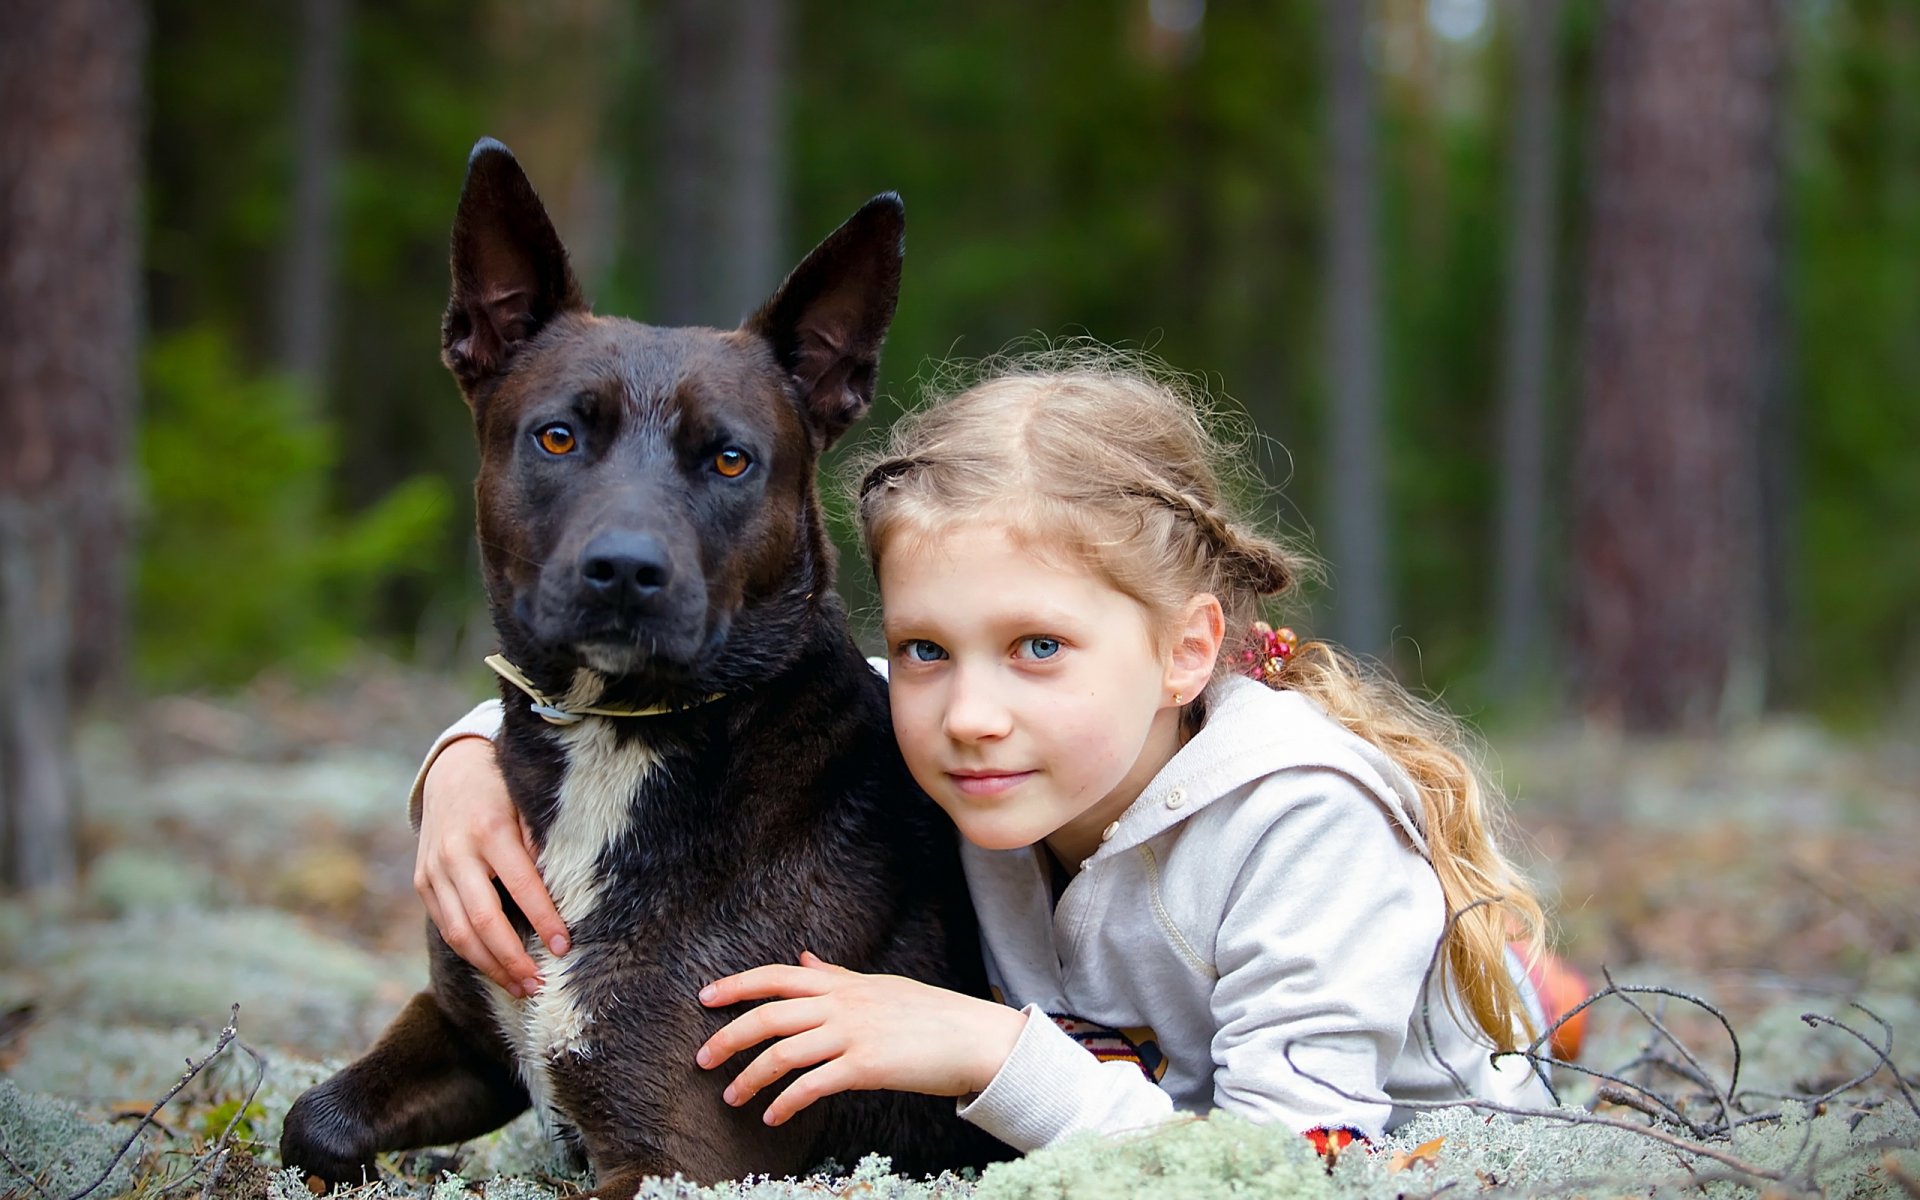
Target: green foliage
[[1224, 1155], [52, 1150], [244, 560], [1856, 299], [1068, 171], [246, 1122], [1069, 168], [871, 1179]]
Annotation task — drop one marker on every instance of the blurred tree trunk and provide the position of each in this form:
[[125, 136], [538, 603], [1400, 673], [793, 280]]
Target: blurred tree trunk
[[307, 272], [721, 169], [1666, 480], [1355, 519], [1529, 338], [70, 86], [1780, 441]]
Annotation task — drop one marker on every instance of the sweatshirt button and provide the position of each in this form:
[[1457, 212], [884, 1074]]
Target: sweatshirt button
[[1176, 797], [1107, 833]]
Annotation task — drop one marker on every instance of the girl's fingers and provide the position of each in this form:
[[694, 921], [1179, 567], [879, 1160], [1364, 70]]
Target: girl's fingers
[[782, 1019], [822, 1081], [813, 961], [760, 983], [788, 1054], [492, 932], [517, 872], [449, 916]]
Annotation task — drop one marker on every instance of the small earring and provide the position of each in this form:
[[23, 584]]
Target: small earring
[[1177, 699]]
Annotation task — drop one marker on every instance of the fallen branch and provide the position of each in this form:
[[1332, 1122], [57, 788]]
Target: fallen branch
[[1567, 1116], [227, 1035], [1724, 1097], [1883, 1053], [220, 1151]]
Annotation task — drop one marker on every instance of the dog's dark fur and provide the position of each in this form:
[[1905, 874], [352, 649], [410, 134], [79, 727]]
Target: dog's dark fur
[[631, 570]]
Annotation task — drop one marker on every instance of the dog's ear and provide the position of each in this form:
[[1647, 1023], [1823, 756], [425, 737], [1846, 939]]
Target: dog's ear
[[510, 272], [828, 319]]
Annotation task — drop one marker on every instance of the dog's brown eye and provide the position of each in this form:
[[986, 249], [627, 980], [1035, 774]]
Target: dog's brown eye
[[557, 439], [732, 462]]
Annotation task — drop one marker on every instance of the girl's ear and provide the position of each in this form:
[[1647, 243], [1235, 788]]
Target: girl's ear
[[1198, 634]]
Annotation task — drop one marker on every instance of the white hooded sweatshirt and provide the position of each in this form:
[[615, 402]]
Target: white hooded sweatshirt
[[1268, 893]]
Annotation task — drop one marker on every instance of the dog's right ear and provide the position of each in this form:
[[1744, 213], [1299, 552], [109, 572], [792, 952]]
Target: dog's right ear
[[510, 272]]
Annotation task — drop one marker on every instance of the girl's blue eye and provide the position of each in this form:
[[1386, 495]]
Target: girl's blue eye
[[921, 650], [1040, 647]]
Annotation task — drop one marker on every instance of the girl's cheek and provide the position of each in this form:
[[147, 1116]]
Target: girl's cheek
[[910, 732]]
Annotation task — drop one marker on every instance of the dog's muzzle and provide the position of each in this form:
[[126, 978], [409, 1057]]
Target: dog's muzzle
[[623, 605]]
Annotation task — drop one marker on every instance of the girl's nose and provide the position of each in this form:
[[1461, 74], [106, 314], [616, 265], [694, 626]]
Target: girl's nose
[[974, 713]]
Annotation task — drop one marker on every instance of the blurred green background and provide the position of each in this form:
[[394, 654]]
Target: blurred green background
[[1152, 173]]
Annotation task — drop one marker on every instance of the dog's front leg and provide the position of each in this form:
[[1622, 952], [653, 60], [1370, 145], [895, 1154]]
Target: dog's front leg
[[424, 1083]]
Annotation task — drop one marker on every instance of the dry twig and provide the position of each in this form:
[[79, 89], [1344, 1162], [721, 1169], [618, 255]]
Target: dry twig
[[1566, 1116], [221, 1150], [227, 1035], [1883, 1053]]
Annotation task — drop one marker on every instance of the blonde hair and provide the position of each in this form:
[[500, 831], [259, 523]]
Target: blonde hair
[[1113, 460]]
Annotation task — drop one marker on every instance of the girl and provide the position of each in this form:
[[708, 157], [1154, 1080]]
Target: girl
[[1196, 890]]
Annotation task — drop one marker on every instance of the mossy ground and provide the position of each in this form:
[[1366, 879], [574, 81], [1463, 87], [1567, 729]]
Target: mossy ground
[[255, 850]]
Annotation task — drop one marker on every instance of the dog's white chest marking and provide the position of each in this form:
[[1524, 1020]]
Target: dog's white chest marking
[[595, 808]]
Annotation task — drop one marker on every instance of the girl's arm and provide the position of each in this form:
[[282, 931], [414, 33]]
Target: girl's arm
[[1018, 1076], [857, 1033], [470, 834], [1051, 1086]]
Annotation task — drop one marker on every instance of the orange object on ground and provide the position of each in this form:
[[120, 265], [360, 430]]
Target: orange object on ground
[[1560, 989]]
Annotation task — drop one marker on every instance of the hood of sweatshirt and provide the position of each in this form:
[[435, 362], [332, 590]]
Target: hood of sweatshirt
[[1253, 731]]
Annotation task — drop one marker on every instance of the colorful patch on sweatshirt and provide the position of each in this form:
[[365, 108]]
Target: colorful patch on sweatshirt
[[1137, 1045]]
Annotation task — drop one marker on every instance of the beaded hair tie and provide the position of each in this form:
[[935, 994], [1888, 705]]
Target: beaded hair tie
[[1266, 659]]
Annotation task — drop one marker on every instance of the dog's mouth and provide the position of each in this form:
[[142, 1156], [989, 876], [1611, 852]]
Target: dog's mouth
[[671, 656], [619, 657], [668, 649]]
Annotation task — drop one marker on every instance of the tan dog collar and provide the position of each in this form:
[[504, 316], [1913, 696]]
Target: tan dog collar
[[554, 714]]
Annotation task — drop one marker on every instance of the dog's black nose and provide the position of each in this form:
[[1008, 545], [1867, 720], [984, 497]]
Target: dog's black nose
[[625, 567]]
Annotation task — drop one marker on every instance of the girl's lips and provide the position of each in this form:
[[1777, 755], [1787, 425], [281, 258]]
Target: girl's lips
[[987, 783]]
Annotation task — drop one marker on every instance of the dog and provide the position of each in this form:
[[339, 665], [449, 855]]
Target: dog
[[700, 752]]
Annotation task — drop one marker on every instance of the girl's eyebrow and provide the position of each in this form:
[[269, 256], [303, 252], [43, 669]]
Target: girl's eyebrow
[[1025, 621]]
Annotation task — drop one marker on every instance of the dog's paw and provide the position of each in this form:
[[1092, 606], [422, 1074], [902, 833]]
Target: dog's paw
[[326, 1140]]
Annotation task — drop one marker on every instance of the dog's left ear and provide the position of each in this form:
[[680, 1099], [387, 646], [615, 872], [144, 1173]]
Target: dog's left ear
[[828, 319]]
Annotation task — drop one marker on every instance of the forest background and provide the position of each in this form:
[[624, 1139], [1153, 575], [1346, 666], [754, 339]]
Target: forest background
[[1586, 337], [1583, 337]]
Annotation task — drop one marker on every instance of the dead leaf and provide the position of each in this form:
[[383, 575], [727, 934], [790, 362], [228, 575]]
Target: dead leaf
[[1426, 1154]]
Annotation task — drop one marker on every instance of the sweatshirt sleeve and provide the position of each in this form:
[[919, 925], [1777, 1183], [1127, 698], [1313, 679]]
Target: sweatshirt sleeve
[[1050, 1086], [1323, 952], [483, 722]]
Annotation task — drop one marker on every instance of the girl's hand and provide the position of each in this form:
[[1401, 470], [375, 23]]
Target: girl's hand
[[863, 1031], [470, 834]]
